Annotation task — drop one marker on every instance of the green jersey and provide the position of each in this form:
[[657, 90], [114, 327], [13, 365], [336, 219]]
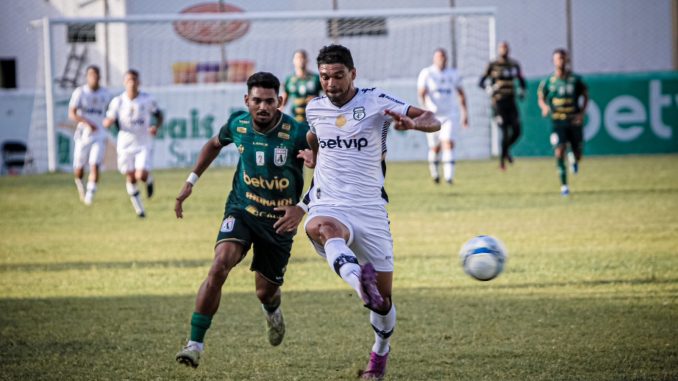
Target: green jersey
[[300, 90], [562, 96], [268, 174]]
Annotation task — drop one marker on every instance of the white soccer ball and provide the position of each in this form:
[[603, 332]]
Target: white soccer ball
[[483, 257]]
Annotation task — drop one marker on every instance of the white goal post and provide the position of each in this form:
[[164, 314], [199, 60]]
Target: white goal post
[[189, 78]]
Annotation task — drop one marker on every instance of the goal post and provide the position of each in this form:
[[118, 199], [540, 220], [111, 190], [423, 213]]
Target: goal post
[[195, 65]]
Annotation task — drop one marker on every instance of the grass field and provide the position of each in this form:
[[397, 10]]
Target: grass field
[[590, 291]]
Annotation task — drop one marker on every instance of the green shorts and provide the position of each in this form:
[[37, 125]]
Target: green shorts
[[271, 250], [568, 134]]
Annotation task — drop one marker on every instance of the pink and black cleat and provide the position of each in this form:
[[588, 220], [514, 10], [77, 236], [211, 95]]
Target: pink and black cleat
[[376, 368], [368, 281]]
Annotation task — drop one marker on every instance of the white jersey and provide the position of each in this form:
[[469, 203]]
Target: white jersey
[[352, 141], [134, 119], [441, 90], [90, 105]]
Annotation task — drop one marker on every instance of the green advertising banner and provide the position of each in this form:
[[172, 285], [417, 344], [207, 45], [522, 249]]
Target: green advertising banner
[[627, 114]]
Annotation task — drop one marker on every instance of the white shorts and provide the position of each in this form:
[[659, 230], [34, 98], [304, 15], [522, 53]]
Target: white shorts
[[135, 159], [370, 234], [449, 131], [88, 151]]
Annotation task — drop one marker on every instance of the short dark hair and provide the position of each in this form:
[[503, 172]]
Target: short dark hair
[[302, 52], [560, 51], [335, 54], [132, 72], [93, 67], [263, 79]]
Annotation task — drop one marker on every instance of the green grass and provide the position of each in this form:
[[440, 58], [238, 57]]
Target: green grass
[[590, 290]]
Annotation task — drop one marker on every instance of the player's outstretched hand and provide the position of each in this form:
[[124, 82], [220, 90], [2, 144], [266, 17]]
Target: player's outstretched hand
[[183, 194], [402, 122], [308, 156], [290, 220]]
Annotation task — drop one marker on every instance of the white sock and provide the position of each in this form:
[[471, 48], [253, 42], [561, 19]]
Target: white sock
[[344, 262], [133, 193], [433, 164], [383, 326], [80, 186], [448, 165], [196, 345], [91, 189]]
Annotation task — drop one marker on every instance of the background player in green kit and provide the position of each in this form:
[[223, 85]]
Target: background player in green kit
[[565, 97], [300, 87], [261, 210], [502, 73]]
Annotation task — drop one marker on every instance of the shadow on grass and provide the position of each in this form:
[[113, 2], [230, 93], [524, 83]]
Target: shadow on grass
[[440, 336]]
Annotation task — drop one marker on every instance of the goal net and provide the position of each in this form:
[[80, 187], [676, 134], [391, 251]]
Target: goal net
[[196, 64]]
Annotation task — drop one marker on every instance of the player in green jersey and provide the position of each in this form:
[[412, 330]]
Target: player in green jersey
[[503, 72], [300, 87], [261, 210], [565, 96]]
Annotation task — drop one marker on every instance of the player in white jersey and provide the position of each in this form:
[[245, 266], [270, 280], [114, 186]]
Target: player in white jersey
[[439, 90], [87, 108], [138, 118], [347, 220]]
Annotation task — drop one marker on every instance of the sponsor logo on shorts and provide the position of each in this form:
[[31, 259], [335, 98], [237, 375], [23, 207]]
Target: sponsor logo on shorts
[[228, 225]]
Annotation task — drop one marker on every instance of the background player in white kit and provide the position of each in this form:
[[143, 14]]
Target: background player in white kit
[[134, 112], [346, 202], [88, 108], [438, 88]]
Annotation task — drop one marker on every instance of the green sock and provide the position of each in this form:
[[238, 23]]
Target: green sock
[[562, 172], [199, 325]]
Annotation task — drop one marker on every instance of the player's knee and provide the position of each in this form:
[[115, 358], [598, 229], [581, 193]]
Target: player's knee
[[266, 295], [329, 230]]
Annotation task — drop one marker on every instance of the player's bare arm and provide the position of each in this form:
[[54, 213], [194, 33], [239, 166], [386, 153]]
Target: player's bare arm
[[416, 119], [542, 105], [310, 158], [73, 115], [158, 123], [208, 153], [462, 106]]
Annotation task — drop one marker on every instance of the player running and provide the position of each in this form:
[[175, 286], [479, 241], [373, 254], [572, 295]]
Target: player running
[[347, 220], [503, 72], [88, 108], [138, 118], [300, 87], [439, 91], [261, 209], [565, 96]]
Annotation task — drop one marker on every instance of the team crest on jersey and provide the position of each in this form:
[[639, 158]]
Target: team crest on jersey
[[260, 158], [280, 156], [227, 225], [359, 113]]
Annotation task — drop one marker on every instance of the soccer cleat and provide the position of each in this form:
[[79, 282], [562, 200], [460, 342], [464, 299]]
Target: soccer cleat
[[449, 181], [189, 356], [89, 198], [436, 180], [275, 326], [509, 158], [565, 190], [502, 166], [149, 190], [370, 293], [141, 215], [376, 368]]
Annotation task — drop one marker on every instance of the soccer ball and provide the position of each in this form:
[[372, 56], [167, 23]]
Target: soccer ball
[[483, 257]]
